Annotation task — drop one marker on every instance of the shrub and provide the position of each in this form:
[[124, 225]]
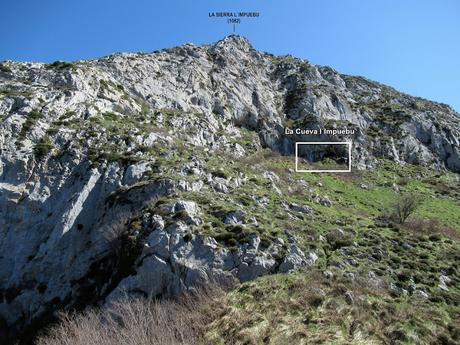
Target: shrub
[[52, 130], [338, 239], [5, 68], [110, 116], [404, 275], [403, 181], [181, 215], [220, 173], [60, 65], [43, 147], [431, 227], [104, 83], [31, 120], [227, 238], [403, 207]]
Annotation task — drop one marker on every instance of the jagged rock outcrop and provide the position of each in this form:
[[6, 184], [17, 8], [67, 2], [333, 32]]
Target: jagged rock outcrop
[[88, 150], [233, 84]]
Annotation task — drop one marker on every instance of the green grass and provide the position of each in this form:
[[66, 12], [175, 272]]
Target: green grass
[[444, 210], [420, 249], [12, 92]]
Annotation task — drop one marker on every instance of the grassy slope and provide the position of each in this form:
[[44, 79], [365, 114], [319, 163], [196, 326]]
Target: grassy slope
[[306, 308], [283, 309]]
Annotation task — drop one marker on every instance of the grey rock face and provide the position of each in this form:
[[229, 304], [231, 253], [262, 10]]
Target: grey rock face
[[135, 172], [170, 263], [189, 210], [374, 280], [421, 294], [186, 210]]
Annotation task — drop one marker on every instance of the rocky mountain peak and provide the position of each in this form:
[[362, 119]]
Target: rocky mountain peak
[[153, 172], [236, 42]]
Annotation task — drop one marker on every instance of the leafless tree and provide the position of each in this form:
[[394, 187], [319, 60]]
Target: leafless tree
[[404, 206]]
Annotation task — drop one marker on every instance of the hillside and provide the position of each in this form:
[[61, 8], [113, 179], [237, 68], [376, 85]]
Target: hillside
[[148, 174]]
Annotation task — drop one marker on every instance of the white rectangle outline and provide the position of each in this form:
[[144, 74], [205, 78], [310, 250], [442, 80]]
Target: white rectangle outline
[[348, 143]]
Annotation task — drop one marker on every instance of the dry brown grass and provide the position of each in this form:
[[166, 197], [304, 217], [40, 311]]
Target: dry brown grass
[[259, 157], [355, 176], [297, 309], [139, 322], [312, 309], [426, 226]]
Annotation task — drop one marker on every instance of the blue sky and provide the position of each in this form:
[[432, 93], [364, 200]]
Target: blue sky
[[411, 45]]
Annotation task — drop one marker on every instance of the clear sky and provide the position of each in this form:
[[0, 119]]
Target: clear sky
[[412, 45]]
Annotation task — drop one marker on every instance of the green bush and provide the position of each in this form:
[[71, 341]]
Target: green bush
[[4, 68], [52, 131], [31, 120], [60, 65], [43, 147], [220, 173], [338, 239]]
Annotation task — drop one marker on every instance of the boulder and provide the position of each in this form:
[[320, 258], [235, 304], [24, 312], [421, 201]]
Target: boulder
[[158, 243], [260, 265], [235, 217], [295, 259], [322, 200], [301, 208], [443, 282], [135, 172]]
